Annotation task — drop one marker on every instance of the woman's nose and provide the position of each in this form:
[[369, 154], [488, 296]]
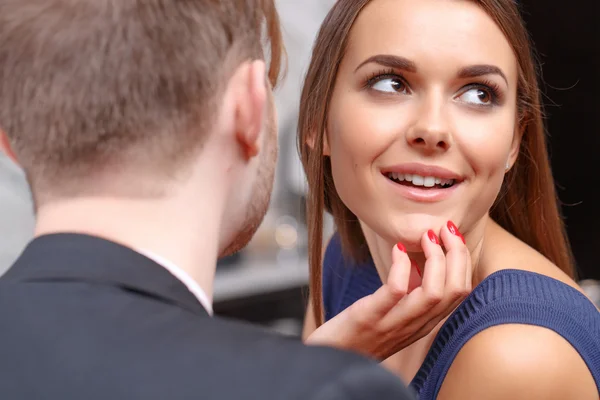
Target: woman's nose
[[431, 131]]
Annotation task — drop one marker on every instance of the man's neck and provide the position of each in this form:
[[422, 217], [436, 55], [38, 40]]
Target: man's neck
[[185, 233]]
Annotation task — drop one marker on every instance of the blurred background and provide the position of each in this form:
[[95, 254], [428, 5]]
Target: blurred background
[[267, 282]]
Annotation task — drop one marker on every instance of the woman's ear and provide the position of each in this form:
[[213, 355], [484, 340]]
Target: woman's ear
[[311, 140], [515, 147], [6, 148], [326, 150]]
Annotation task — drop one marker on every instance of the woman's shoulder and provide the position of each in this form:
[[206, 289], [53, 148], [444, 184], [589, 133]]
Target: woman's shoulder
[[337, 264], [344, 280], [333, 250], [524, 326], [520, 362], [516, 284], [505, 251], [334, 264], [522, 296]]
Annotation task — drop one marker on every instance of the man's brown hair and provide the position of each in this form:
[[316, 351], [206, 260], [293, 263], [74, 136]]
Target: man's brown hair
[[88, 86]]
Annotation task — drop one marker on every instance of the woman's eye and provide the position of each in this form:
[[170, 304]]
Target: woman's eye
[[477, 96], [390, 85]]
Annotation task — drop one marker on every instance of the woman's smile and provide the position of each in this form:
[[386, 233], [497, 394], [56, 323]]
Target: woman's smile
[[422, 183]]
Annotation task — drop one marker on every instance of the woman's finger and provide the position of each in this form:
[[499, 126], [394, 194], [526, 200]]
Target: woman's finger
[[456, 263], [377, 305], [416, 308], [396, 286], [434, 271]]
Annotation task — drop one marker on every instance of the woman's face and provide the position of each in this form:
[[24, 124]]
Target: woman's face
[[423, 118]]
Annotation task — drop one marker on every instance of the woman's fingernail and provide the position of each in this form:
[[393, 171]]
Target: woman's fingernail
[[454, 230], [401, 247], [432, 236], [416, 266]]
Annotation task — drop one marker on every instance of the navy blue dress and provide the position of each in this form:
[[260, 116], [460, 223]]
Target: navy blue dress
[[505, 297]]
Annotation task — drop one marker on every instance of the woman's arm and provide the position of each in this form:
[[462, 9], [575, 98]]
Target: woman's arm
[[310, 325], [518, 362]]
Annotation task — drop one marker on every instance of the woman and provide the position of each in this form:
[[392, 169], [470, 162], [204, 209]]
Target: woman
[[420, 118]]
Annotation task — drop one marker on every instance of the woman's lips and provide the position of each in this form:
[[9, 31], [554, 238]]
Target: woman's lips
[[420, 193]]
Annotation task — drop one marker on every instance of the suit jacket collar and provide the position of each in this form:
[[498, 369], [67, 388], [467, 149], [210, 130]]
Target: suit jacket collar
[[78, 257]]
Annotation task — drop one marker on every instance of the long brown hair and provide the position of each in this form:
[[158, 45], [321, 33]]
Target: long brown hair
[[527, 205]]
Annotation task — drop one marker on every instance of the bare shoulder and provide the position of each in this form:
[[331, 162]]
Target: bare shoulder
[[507, 251], [518, 362]]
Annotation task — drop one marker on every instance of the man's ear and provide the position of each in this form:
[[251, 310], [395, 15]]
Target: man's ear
[[251, 102], [6, 148]]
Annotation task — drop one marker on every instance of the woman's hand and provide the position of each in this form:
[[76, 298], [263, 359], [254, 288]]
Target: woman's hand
[[407, 307]]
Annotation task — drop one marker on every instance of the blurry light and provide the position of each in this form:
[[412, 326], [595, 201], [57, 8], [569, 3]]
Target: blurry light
[[286, 236]]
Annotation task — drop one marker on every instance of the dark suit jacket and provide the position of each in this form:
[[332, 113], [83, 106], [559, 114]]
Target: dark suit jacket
[[85, 318]]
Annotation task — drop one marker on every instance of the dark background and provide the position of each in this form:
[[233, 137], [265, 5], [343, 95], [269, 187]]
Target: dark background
[[567, 37]]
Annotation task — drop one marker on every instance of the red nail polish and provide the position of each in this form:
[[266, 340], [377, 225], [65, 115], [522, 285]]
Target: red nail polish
[[454, 230], [416, 266], [401, 247], [433, 237]]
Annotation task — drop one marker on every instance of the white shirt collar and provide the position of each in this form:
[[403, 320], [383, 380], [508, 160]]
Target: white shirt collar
[[184, 277]]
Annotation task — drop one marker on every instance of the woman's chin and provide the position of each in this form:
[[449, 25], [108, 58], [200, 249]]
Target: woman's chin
[[410, 240], [412, 245], [411, 233]]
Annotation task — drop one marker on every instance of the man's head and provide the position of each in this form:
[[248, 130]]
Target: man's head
[[126, 98]]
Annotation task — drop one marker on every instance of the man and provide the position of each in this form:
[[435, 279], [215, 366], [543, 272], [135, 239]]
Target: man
[[146, 130]]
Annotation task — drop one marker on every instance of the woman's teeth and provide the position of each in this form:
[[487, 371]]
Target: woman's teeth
[[418, 180]]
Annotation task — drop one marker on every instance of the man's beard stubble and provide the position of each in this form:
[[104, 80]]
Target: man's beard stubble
[[261, 193]]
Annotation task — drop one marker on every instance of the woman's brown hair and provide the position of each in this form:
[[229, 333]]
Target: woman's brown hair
[[527, 205]]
